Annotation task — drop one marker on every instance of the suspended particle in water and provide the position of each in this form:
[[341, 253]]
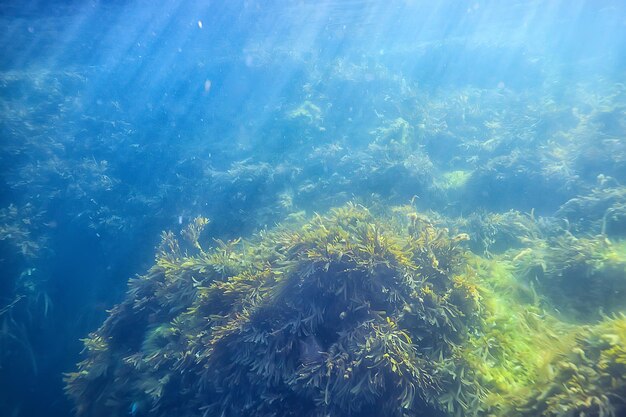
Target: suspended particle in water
[[200, 24], [207, 86]]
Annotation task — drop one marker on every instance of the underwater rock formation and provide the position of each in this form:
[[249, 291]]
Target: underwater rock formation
[[348, 314], [345, 315]]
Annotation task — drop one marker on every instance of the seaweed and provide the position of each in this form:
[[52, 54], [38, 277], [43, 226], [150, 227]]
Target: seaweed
[[588, 378], [582, 276], [531, 363], [344, 315], [602, 211], [494, 233]]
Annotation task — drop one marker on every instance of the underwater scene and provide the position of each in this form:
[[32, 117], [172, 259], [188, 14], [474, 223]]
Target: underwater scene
[[298, 208]]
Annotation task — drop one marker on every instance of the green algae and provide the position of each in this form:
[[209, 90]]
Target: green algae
[[453, 180]]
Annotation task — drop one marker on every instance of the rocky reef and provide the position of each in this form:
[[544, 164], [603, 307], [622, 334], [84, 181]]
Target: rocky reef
[[347, 314]]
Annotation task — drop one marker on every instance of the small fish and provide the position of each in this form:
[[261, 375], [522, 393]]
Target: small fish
[[134, 408]]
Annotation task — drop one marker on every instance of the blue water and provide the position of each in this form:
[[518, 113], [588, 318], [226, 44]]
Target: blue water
[[120, 119]]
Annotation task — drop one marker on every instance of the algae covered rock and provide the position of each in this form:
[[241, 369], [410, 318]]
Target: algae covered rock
[[589, 379], [583, 277], [347, 315], [356, 314]]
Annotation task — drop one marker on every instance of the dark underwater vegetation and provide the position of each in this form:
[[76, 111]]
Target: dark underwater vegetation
[[296, 208]]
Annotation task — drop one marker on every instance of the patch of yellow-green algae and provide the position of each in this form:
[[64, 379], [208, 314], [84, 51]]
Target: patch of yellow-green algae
[[518, 337], [308, 111], [532, 360], [453, 180], [351, 314]]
